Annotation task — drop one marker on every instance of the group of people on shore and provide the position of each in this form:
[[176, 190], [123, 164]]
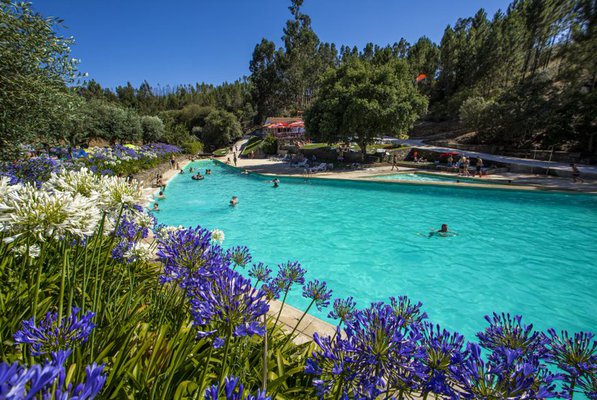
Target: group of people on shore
[[463, 165]]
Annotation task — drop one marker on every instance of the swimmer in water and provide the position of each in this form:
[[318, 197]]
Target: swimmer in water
[[156, 207], [443, 232], [234, 201], [161, 195], [276, 182], [245, 172]]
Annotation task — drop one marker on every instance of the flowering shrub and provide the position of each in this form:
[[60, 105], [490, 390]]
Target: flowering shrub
[[114, 160]]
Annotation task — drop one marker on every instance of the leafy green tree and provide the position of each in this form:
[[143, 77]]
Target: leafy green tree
[[152, 129], [266, 79], [221, 128], [194, 115], [177, 134], [362, 101], [111, 122], [473, 112], [35, 66]]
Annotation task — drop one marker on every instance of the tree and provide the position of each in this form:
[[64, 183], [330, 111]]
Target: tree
[[473, 112], [221, 128], [111, 122], [362, 101], [152, 129], [266, 79], [35, 67]]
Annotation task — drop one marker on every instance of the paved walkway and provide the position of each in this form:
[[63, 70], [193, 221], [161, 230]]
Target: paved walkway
[[564, 168]]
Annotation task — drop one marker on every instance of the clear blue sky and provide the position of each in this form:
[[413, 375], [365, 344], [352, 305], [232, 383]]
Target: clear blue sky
[[188, 41]]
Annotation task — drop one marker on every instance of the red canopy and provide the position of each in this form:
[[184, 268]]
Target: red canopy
[[277, 125], [297, 124], [420, 77]]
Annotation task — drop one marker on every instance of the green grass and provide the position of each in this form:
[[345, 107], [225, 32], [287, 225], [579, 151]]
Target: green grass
[[253, 144], [315, 145]]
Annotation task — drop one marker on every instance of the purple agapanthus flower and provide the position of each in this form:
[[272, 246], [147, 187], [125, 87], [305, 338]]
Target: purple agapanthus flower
[[318, 292], [407, 310], [52, 335], [343, 309], [260, 272], [444, 351], [239, 255], [378, 353], [333, 365], [233, 390], [477, 379], [48, 380], [289, 273], [127, 234], [189, 254], [228, 304], [576, 357], [509, 333]]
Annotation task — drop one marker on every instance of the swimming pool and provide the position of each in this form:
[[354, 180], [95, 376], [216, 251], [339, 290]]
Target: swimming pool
[[422, 177], [516, 251]]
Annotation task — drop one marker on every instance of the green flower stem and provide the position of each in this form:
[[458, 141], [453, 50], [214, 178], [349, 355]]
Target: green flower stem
[[62, 281], [281, 307], [225, 359], [40, 264], [204, 373], [265, 370], [297, 324]]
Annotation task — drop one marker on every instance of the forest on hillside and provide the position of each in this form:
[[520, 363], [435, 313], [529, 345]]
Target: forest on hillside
[[524, 77]]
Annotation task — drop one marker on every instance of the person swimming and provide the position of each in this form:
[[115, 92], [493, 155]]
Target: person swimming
[[276, 182], [198, 177], [181, 171], [245, 172], [443, 232], [156, 207], [234, 201], [161, 195]]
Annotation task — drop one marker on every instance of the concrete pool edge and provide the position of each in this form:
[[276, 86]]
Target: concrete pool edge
[[446, 184]]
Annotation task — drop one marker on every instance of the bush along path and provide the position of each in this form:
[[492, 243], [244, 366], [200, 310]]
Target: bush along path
[[90, 309]]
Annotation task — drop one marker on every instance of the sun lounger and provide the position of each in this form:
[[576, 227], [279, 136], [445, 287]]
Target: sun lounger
[[320, 168], [301, 164]]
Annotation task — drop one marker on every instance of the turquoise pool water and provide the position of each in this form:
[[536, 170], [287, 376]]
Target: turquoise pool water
[[521, 252], [427, 178]]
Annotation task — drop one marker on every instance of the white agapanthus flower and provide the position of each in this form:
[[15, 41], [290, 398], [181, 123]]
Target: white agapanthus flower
[[46, 215], [117, 192], [34, 250], [5, 189], [164, 230], [217, 235], [84, 182], [140, 251]]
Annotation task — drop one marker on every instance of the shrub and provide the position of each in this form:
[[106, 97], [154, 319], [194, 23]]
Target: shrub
[[270, 145], [192, 147]]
